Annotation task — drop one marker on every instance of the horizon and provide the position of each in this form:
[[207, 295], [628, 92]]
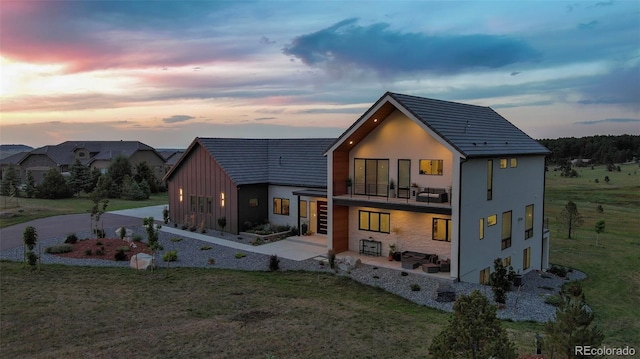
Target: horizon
[[165, 72]]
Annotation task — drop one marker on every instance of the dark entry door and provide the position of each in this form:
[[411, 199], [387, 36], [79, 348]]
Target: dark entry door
[[322, 217]]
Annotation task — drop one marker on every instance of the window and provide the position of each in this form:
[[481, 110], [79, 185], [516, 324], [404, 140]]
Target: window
[[404, 178], [209, 204], [492, 220], [81, 154], [253, 202], [489, 180], [503, 163], [201, 204], [374, 221], [371, 176], [221, 199], [192, 203], [281, 206], [431, 167], [481, 228], [441, 229], [528, 221], [303, 209], [485, 275], [506, 230], [180, 194], [513, 162], [526, 258], [506, 261]]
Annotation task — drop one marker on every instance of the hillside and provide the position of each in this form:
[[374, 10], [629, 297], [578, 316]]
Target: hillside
[[9, 150]]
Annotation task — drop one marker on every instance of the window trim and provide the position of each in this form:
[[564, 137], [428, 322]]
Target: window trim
[[380, 221], [447, 229], [440, 168]]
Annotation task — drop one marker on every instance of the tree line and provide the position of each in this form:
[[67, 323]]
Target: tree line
[[122, 180], [599, 149]]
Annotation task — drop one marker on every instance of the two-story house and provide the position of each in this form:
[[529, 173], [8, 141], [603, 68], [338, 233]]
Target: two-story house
[[439, 177]]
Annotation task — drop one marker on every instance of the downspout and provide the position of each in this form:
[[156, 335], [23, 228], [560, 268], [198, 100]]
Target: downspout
[[462, 161]]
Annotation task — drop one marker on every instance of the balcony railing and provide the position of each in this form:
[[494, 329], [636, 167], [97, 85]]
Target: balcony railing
[[423, 195]]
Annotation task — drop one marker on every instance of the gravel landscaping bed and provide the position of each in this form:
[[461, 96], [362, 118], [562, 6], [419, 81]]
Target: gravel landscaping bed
[[526, 305]]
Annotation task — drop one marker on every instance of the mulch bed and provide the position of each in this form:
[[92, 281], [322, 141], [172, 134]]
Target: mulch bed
[[110, 246]]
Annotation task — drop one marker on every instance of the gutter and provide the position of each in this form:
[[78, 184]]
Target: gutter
[[462, 161]]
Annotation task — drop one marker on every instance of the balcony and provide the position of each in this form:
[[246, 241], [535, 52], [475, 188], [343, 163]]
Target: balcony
[[414, 199]]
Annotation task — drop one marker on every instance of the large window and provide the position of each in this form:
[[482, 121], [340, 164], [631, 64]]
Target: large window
[[485, 274], [404, 178], [431, 167], [303, 209], [506, 230], [281, 206], [528, 222], [441, 229], [489, 180], [374, 221], [371, 176], [526, 258]]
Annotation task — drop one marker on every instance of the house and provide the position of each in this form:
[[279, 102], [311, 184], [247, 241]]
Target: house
[[250, 182], [96, 154], [467, 185]]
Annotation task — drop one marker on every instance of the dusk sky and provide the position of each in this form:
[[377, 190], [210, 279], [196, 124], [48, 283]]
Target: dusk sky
[[164, 72]]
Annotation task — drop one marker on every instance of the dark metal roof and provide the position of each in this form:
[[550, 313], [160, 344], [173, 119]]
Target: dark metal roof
[[64, 153], [290, 162], [475, 131]]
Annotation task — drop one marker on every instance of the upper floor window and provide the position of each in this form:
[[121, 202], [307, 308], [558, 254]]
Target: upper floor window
[[506, 230], [513, 162], [441, 229], [528, 221], [503, 163], [481, 228], [492, 220], [489, 180], [431, 167], [281, 206], [371, 176], [374, 221]]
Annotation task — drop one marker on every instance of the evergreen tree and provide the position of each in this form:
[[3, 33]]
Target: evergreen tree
[[473, 332], [599, 229], [10, 181], [570, 218], [94, 176], [501, 280], [572, 325], [144, 173], [30, 189], [78, 177], [118, 169], [53, 186]]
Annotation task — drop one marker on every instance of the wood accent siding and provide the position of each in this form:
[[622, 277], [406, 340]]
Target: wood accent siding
[[340, 172], [200, 175], [340, 228]]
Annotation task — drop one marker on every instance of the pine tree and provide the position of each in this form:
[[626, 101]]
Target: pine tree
[[10, 181], [599, 229], [473, 332], [572, 325], [78, 177], [30, 189], [54, 186], [570, 218]]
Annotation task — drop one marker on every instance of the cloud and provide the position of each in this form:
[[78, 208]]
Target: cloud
[[266, 41], [177, 118], [588, 26], [264, 118], [515, 73], [608, 120], [347, 44]]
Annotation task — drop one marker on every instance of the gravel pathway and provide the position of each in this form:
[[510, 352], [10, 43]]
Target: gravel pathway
[[526, 305]]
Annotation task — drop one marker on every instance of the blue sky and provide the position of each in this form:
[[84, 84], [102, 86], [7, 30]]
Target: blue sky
[[164, 72]]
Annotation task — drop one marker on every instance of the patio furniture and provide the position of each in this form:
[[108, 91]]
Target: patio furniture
[[412, 260], [445, 265], [437, 195], [370, 247]]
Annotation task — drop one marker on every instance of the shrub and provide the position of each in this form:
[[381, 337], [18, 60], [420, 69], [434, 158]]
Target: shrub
[[60, 248], [99, 243], [137, 238], [123, 249], [415, 287], [274, 263], [170, 256], [332, 258], [211, 261], [205, 248], [31, 258], [88, 252], [99, 233], [558, 270], [100, 252], [175, 239], [240, 255], [71, 239], [30, 237], [120, 255]]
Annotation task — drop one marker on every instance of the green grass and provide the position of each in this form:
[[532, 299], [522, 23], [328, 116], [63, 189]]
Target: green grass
[[28, 209], [613, 286], [66, 312]]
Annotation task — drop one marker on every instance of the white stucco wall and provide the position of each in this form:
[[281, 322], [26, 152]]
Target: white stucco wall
[[513, 190], [284, 192]]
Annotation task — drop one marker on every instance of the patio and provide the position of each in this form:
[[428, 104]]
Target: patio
[[384, 262]]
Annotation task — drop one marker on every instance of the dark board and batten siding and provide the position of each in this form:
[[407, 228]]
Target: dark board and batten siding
[[193, 182]]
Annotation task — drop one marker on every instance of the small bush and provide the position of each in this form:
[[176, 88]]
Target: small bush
[[123, 249], [211, 261], [100, 252], [554, 300], [137, 238], [558, 270], [240, 255], [170, 256], [332, 258], [99, 233], [60, 248], [274, 263], [175, 239], [32, 258], [205, 248], [120, 255], [98, 243], [88, 252], [71, 239], [415, 287]]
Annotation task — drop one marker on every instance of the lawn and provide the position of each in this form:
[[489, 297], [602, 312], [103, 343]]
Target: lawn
[[613, 286], [27, 209]]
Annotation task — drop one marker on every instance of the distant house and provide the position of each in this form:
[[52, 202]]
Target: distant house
[[98, 154], [468, 186], [249, 182]]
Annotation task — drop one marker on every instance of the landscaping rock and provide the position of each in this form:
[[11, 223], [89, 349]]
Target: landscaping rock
[[142, 261], [347, 264]]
